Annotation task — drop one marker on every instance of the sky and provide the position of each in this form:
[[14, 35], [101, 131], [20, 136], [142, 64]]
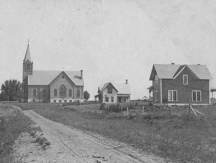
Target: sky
[[110, 40]]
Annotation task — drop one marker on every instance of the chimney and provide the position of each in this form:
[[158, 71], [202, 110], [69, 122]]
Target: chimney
[[81, 74], [172, 63], [126, 81]]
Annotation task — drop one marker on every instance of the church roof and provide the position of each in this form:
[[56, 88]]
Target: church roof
[[27, 55], [46, 77]]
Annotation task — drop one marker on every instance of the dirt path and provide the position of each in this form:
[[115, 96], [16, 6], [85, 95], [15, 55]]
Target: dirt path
[[70, 145]]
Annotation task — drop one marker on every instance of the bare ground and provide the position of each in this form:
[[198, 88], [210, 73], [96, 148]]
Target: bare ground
[[69, 145]]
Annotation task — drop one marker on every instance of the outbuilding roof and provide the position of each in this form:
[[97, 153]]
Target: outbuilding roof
[[46, 77], [170, 71]]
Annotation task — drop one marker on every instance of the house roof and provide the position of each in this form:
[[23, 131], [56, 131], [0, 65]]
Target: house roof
[[46, 77], [103, 87], [27, 55], [121, 88], [201, 71], [169, 71]]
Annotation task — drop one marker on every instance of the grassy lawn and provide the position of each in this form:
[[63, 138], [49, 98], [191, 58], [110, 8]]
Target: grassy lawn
[[12, 124], [176, 135]]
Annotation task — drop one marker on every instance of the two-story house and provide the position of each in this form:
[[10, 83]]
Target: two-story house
[[114, 93], [177, 84]]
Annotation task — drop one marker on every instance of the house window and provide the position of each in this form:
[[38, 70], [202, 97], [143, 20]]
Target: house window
[[185, 79], [78, 93], [34, 92], [109, 90], [156, 80], [59, 101], [54, 101], [44, 93], [55, 92], [156, 95], [62, 91], [112, 99], [70, 92], [196, 96], [70, 101], [65, 101], [172, 95], [107, 99]]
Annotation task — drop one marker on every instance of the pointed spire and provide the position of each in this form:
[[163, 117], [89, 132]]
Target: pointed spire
[[27, 55]]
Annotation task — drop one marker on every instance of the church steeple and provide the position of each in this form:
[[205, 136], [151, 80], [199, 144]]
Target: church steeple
[[27, 55], [27, 63]]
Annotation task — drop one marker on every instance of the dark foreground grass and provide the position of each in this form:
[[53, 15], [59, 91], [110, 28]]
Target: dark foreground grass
[[177, 136], [12, 124]]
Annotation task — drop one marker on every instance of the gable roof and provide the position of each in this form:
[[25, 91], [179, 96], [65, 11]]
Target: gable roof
[[105, 86], [46, 77], [201, 71], [120, 88], [27, 55], [170, 71]]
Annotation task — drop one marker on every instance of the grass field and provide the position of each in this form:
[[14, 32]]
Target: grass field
[[174, 135], [12, 124]]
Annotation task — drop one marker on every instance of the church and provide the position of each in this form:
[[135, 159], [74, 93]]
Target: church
[[50, 86]]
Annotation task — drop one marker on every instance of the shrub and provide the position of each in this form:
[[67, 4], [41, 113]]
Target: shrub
[[114, 108]]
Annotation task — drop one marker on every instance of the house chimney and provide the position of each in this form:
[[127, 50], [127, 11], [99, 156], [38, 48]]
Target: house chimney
[[126, 81], [81, 74], [172, 63]]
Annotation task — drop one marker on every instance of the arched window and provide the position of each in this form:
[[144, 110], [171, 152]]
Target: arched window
[[78, 93], [62, 91], [70, 93], [44, 93], [55, 92], [34, 92]]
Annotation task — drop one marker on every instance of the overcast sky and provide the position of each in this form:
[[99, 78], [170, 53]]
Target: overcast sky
[[111, 40]]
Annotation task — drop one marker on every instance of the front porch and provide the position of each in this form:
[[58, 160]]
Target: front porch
[[123, 98]]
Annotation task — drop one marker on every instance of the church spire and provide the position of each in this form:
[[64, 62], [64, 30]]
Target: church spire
[[27, 55]]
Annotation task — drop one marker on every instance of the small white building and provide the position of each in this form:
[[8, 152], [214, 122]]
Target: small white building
[[114, 93]]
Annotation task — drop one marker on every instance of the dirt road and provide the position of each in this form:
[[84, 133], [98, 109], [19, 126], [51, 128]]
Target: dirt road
[[69, 145]]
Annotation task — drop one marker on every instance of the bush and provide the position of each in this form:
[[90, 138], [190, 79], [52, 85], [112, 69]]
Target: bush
[[114, 108]]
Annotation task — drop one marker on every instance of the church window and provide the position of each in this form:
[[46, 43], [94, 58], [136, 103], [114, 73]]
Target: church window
[[70, 93], [62, 91], [34, 92], [55, 92], [78, 93], [44, 93]]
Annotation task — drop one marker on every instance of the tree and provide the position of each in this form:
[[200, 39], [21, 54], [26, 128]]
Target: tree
[[86, 95], [11, 90]]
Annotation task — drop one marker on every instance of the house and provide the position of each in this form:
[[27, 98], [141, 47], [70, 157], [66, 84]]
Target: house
[[50, 86], [114, 93], [177, 84]]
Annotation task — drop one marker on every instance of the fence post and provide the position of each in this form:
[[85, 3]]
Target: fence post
[[127, 111]]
